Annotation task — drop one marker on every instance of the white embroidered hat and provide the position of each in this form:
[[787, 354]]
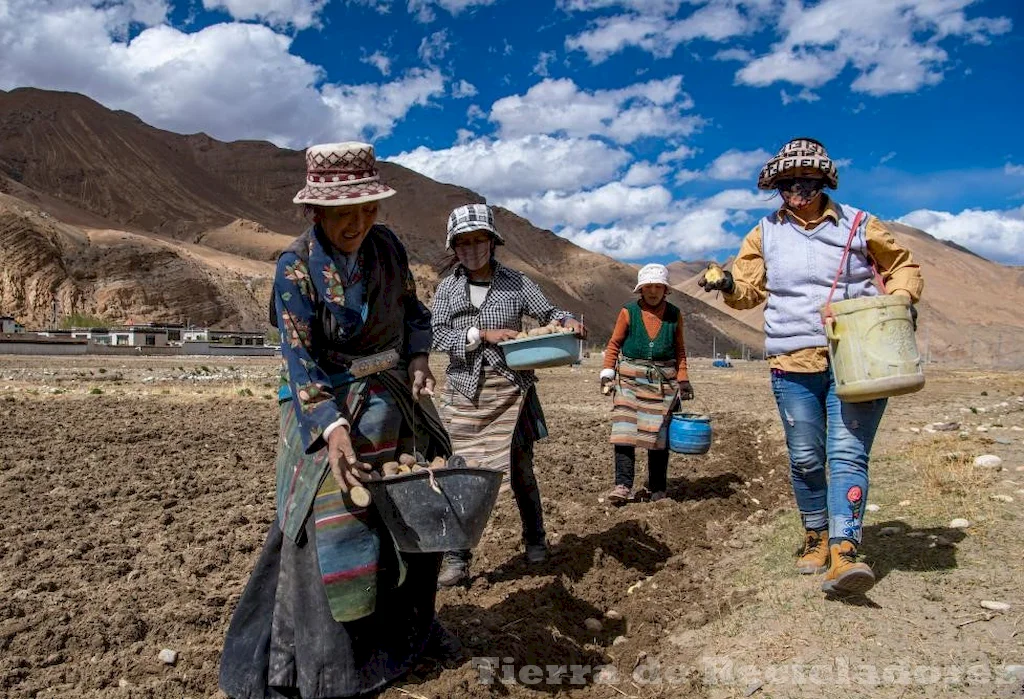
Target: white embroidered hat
[[342, 174], [651, 274]]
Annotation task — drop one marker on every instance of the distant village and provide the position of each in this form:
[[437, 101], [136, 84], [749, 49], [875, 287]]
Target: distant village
[[137, 338]]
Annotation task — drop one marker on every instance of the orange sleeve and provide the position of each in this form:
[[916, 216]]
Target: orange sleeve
[[681, 371], [611, 352]]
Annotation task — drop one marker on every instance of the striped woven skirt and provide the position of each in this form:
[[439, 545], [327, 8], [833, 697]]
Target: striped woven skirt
[[645, 396], [339, 612], [482, 428]]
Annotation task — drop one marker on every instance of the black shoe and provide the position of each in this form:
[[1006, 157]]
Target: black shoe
[[454, 569], [442, 644], [536, 553]]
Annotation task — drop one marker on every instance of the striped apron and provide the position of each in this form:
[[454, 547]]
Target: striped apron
[[482, 429], [645, 396]]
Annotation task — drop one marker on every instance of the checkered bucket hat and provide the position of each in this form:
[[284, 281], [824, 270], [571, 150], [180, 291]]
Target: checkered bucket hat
[[341, 174], [801, 157], [469, 218]]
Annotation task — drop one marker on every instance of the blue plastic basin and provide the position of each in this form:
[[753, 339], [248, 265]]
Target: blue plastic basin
[[689, 434], [541, 352]]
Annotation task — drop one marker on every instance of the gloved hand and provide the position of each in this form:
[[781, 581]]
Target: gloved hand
[[724, 284], [607, 377], [685, 390]]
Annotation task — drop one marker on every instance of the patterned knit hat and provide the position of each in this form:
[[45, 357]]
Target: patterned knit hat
[[341, 174], [469, 218], [801, 157]]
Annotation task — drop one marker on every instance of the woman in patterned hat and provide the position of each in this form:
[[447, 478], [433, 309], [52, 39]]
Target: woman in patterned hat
[[331, 608], [492, 411], [645, 362], [789, 261]]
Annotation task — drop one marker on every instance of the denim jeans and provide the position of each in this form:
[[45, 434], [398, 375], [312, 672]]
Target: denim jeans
[[822, 430]]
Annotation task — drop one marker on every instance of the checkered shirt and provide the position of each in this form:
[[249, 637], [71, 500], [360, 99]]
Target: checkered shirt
[[511, 296]]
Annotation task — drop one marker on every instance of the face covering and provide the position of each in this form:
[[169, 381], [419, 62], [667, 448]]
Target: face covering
[[474, 257], [798, 193]]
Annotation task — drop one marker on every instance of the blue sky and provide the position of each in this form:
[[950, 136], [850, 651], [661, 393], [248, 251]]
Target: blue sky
[[633, 127]]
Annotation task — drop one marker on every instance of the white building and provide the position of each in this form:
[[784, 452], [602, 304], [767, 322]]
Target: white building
[[138, 336], [237, 338]]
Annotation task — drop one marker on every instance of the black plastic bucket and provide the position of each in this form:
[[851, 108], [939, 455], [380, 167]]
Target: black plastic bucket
[[423, 520]]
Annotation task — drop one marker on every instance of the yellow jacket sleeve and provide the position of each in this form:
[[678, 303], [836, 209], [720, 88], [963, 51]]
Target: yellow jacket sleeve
[[748, 274], [894, 262]]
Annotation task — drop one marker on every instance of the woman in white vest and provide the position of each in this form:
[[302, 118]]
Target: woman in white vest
[[789, 261]]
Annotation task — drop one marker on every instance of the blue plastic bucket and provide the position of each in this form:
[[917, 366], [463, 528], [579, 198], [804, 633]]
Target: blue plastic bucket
[[689, 433], [541, 352]]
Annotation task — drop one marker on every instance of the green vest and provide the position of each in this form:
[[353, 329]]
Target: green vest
[[639, 345]]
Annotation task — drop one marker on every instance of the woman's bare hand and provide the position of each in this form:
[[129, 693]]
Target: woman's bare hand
[[345, 465]]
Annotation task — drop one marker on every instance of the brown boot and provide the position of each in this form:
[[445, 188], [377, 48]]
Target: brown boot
[[814, 555], [846, 575]]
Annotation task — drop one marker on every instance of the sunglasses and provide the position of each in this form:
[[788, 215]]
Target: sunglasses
[[801, 184]]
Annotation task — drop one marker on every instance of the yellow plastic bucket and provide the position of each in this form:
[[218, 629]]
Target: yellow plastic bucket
[[873, 349]]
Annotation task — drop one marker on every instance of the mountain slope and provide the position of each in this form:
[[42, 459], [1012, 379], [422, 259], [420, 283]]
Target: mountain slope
[[191, 196]]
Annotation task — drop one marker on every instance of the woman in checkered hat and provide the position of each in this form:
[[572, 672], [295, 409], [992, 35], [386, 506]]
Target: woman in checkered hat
[[331, 608], [789, 261], [492, 411]]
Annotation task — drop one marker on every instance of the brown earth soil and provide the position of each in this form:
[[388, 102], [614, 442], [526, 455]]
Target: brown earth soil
[[136, 495]]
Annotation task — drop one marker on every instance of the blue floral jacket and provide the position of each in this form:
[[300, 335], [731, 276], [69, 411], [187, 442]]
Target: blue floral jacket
[[320, 336]]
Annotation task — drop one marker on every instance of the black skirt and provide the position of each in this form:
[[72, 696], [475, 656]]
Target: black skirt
[[283, 641]]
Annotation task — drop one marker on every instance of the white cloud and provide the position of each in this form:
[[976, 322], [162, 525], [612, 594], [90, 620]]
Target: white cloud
[[188, 82], [519, 167], [891, 44], [743, 200], [434, 47], [609, 203], [300, 14], [645, 173], [463, 89], [693, 234], [381, 6], [731, 165], [798, 66], [887, 157], [804, 95], [680, 153], [998, 235], [379, 61], [544, 59], [1011, 169], [734, 54], [475, 113], [376, 108], [650, 7], [647, 109], [424, 12], [737, 164], [658, 34]]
